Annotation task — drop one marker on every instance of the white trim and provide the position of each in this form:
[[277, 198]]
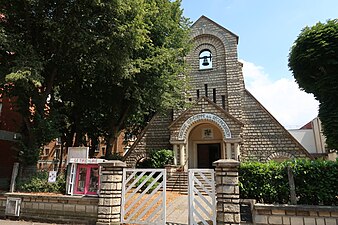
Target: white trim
[[218, 121]]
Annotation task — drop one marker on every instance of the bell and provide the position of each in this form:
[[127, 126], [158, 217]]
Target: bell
[[205, 61]]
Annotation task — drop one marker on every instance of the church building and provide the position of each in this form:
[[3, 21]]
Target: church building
[[224, 120]]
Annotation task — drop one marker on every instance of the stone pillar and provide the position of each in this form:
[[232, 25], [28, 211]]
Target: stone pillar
[[175, 154], [237, 151], [110, 194], [227, 191], [228, 144], [223, 152], [182, 155]]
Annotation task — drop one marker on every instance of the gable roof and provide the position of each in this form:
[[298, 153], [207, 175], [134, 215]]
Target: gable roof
[[280, 125], [216, 24], [211, 103]]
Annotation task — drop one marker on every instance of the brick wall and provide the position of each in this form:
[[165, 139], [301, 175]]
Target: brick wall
[[264, 136], [55, 208], [294, 215], [154, 137]]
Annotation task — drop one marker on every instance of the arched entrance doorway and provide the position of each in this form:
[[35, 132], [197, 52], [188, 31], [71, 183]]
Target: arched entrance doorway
[[204, 145], [201, 139]]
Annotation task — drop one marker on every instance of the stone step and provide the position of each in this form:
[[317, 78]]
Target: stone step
[[178, 182]]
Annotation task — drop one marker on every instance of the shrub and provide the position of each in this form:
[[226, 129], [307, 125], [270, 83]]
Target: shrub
[[315, 180], [149, 181], [39, 183], [265, 182], [157, 159]]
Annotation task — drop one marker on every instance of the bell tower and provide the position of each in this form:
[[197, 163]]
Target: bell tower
[[215, 70]]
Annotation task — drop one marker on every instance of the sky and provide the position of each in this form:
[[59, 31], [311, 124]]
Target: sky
[[267, 29]]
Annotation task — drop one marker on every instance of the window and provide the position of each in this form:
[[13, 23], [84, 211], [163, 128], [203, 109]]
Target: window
[[46, 151], [214, 94], [205, 59]]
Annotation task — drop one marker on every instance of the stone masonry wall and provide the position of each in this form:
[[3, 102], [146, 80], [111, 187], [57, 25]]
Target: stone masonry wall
[[225, 75], [263, 136], [294, 215], [154, 137], [2, 205], [207, 107], [56, 208]]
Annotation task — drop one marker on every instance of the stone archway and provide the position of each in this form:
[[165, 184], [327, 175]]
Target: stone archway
[[280, 156], [205, 129], [198, 118]]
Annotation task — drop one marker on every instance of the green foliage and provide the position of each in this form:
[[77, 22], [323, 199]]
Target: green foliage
[[313, 59], [39, 183], [91, 68], [157, 159], [148, 182], [315, 181], [265, 182]]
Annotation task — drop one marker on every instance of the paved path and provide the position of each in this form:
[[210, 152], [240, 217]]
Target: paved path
[[20, 222], [178, 211], [177, 214]]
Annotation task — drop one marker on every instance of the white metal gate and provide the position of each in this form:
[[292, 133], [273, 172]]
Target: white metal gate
[[202, 198], [144, 196]]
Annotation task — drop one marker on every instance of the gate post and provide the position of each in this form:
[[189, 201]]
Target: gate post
[[227, 191], [110, 194]]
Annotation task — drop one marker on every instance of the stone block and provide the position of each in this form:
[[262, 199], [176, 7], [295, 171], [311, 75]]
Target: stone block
[[69, 207], [232, 208], [275, 220], [295, 220], [330, 221], [41, 206], [320, 221], [290, 212], [324, 214], [313, 213], [228, 217], [303, 213], [309, 221], [91, 209], [35, 205], [104, 210], [278, 212], [286, 220], [261, 219], [57, 206], [264, 212], [80, 208], [334, 214]]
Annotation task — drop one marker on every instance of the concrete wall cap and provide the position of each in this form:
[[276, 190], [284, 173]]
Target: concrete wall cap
[[226, 163], [113, 163], [296, 207]]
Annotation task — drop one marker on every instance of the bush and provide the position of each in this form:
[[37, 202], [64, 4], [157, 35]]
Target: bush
[[151, 179], [265, 182], [157, 159], [39, 183], [315, 180]]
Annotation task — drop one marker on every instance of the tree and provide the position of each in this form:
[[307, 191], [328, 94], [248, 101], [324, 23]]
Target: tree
[[313, 59], [90, 68]]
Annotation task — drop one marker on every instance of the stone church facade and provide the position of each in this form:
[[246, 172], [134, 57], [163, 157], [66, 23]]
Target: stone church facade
[[224, 119]]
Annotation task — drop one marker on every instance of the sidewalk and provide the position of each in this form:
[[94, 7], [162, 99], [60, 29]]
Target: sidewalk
[[20, 222]]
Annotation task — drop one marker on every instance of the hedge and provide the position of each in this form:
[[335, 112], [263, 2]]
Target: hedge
[[316, 182]]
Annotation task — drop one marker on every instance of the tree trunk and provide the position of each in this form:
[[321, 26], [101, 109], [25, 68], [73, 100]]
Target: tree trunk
[[112, 146]]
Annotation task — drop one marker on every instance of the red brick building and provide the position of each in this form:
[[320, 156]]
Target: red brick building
[[10, 123]]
